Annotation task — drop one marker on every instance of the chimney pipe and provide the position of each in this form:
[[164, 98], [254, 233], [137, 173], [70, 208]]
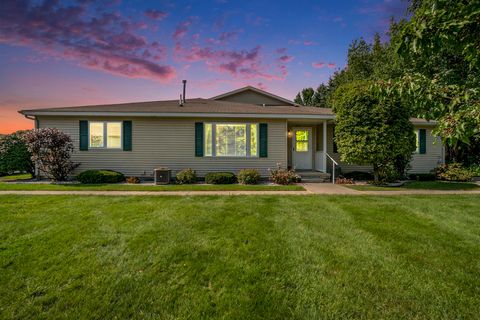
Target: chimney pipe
[[184, 88]]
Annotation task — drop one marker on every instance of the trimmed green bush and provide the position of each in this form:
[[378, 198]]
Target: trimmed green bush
[[100, 176], [186, 176], [248, 176], [422, 177], [220, 178]]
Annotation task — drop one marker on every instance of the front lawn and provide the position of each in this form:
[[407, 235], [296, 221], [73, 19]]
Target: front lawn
[[420, 185], [143, 187], [20, 176], [245, 257]]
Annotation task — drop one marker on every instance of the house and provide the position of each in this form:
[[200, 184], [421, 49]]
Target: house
[[245, 128]]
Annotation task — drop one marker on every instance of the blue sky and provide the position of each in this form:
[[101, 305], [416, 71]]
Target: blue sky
[[62, 53]]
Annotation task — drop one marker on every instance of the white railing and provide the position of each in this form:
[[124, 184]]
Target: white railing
[[334, 163]]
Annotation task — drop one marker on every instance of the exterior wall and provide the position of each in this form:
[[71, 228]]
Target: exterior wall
[[421, 163], [253, 97], [163, 142], [424, 163]]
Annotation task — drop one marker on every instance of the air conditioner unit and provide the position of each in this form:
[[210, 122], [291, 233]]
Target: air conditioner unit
[[162, 175]]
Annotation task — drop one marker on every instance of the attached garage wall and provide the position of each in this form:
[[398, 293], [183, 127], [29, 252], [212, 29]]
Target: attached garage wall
[[161, 142]]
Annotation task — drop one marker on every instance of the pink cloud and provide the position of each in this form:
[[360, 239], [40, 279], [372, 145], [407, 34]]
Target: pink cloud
[[318, 65], [331, 65], [181, 30], [106, 41], [308, 43], [155, 14]]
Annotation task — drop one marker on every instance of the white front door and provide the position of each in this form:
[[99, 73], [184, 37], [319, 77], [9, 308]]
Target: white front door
[[302, 148]]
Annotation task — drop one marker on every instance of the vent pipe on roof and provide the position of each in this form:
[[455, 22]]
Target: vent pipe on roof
[[184, 89], [180, 102]]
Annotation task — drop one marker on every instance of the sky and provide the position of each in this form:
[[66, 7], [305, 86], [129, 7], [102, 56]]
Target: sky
[[67, 53]]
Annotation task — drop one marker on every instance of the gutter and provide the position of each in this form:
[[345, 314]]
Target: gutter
[[178, 115]]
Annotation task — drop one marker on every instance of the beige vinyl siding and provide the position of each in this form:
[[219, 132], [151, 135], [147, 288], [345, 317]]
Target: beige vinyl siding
[[424, 163], [169, 142], [421, 163]]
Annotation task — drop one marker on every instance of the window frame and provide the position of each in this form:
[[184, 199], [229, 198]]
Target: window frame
[[105, 135], [248, 137]]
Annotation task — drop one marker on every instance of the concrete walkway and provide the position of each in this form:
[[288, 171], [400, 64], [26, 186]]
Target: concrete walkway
[[310, 189]]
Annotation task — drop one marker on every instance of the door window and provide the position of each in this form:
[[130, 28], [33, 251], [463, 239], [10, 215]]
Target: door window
[[301, 141]]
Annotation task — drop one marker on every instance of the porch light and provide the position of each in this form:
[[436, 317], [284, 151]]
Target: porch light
[[289, 133]]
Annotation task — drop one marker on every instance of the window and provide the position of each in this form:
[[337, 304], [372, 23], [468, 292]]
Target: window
[[301, 141], [231, 140], [417, 141], [105, 135]]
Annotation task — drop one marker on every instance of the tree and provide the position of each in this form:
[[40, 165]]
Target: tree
[[305, 97], [372, 126], [14, 155], [441, 48], [51, 151]]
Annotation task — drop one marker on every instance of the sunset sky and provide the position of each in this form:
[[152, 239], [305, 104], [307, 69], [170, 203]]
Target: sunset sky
[[66, 53]]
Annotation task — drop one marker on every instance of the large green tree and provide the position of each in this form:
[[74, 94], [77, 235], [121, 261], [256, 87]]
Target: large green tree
[[440, 46], [372, 127], [14, 155]]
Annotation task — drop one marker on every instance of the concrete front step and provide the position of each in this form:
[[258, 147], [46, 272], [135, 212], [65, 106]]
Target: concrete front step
[[314, 176]]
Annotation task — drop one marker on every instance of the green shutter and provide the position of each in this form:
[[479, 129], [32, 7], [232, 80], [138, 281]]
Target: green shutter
[[127, 135], [198, 139], [422, 140], [263, 139], [83, 135]]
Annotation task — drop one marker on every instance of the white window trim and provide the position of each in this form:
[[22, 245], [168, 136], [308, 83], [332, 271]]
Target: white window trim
[[417, 142], [247, 143], [105, 135]]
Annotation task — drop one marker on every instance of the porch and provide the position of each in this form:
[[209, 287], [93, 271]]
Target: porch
[[310, 148]]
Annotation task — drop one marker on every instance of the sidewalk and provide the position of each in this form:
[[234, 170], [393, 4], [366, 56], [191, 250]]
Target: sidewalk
[[310, 189]]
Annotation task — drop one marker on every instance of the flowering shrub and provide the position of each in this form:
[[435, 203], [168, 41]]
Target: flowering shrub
[[186, 176], [284, 176], [51, 150], [133, 180], [248, 176], [453, 172], [344, 181]]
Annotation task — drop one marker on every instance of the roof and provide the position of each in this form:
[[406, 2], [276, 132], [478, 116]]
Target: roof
[[259, 91], [193, 107]]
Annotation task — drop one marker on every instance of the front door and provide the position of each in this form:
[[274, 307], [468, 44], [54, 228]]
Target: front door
[[302, 148]]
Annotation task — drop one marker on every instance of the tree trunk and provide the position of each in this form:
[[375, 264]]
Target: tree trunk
[[376, 173]]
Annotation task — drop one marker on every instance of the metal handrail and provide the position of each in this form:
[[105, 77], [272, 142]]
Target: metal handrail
[[334, 163]]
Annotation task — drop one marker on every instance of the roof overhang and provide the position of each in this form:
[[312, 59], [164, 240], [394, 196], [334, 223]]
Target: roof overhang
[[180, 115]]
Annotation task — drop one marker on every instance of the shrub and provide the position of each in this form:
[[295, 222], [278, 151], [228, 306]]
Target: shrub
[[14, 154], [422, 176], [51, 151], [358, 175], [220, 178], [284, 176], [133, 180], [344, 181], [100, 176], [475, 169], [454, 172], [186, 176], [248, 176]]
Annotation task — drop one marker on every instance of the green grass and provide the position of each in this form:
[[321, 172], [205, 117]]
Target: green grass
[[22, 176], [420, 185], [140, 187], [247, 257]]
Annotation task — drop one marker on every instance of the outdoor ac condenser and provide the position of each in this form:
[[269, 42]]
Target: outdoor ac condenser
[[162, 175]]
